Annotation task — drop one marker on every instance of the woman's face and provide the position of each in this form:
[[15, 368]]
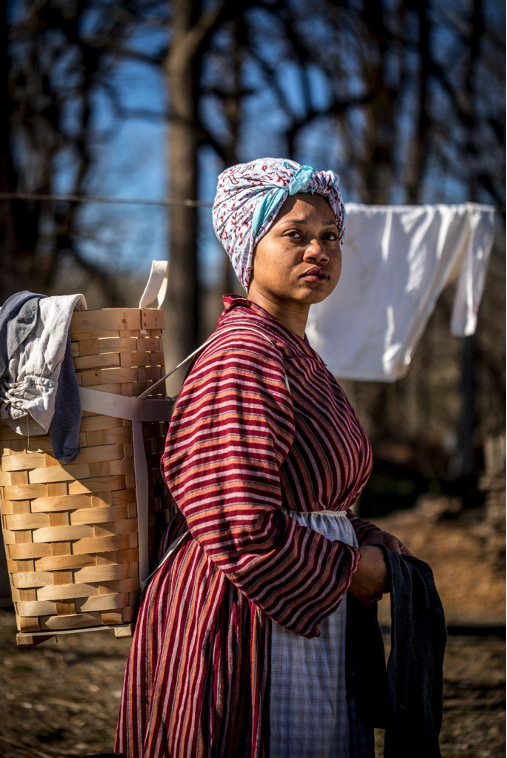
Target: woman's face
[[299, 260]]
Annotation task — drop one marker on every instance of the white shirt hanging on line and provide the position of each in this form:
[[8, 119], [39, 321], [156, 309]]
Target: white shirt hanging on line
[[396, 262]]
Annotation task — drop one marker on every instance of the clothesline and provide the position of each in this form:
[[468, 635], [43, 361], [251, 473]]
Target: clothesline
[[111, 200], [122, 201]]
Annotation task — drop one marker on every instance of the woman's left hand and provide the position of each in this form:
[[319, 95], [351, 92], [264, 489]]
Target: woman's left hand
[[389, 540]]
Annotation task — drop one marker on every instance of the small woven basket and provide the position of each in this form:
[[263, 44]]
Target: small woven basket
[[71, 531]]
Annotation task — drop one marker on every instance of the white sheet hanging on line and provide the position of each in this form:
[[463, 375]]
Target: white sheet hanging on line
[[396, 262]]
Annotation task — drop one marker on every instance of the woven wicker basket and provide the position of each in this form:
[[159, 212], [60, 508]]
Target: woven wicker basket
[[71, 531]]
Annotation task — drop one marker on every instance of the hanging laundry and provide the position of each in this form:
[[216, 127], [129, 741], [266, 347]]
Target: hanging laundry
[[38, 385], [396, 262]]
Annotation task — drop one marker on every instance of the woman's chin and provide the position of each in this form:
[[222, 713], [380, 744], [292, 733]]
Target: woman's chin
[[311, 293]]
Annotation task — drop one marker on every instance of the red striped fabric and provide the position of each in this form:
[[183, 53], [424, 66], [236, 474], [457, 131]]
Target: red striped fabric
[[241, 451]]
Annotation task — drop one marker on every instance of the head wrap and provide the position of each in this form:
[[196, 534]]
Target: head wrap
[[249, 197]]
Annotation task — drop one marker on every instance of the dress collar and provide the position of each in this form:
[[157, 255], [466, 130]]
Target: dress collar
[[239, 305]]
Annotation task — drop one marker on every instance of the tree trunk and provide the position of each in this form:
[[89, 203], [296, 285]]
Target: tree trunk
[[462, 465], [233, 112], [182, 305], [419, 147], [18, 219]]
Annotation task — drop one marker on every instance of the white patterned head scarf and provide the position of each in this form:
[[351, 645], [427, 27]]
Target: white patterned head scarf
[[249, 197]]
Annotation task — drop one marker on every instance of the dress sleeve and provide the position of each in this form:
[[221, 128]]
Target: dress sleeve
[[362, 527], [231, 430]]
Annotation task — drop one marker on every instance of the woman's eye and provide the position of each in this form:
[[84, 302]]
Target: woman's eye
[[295, 234], [330, 236]]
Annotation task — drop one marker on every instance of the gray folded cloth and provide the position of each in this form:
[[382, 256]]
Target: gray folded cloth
[[66, 421], [18, 316], [38, 386]]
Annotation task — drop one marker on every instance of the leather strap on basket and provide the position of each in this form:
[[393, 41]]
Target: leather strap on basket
[[156, 286], [145, 409]]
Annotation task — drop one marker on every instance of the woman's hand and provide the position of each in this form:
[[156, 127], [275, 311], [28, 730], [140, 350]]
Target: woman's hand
[[389, 540], [369, 580]]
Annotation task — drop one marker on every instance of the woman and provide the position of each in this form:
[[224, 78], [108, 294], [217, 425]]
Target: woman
[[239, 647]]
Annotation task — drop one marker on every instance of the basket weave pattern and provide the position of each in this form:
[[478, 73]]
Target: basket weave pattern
[[70, 531]]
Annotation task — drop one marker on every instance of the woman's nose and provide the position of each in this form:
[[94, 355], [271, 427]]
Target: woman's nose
[[315, 251]]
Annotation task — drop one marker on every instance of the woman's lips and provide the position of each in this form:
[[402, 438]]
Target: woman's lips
[[315, 275]]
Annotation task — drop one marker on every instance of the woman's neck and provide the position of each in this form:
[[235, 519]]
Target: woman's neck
[[292, 315]]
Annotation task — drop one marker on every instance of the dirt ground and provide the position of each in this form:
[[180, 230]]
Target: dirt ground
[[471, 587], [62, 699]]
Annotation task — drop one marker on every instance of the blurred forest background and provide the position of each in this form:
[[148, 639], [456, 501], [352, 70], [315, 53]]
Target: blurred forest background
[[151, 100], [105, 104]]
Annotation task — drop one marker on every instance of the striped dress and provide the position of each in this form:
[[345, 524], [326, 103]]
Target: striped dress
[[245, 448]]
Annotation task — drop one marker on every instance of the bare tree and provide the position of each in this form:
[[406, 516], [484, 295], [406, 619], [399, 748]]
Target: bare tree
[[192, 27], [56, 56]]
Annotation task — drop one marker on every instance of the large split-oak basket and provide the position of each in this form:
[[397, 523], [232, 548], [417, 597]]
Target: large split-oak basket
[[79, 538]]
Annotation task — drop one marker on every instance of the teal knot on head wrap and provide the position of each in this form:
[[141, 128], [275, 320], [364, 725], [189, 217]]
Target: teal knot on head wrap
[[249, 197], [301, 180], [277, 197]]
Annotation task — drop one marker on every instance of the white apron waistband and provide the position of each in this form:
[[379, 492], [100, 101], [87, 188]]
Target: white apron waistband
[[315, 513]]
